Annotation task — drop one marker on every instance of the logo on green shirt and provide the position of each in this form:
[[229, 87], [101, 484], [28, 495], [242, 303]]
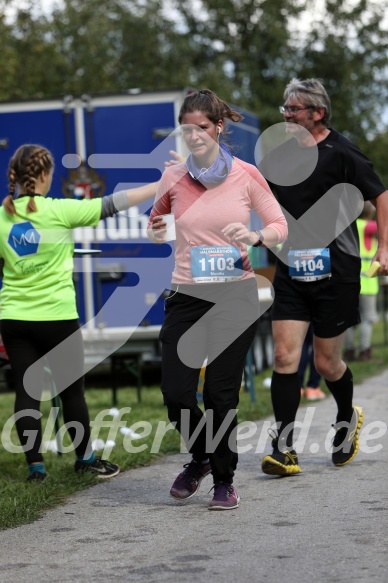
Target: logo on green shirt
[[24, 239]]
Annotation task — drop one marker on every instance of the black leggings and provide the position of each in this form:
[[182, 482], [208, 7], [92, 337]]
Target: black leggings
[[29, 342], [217, 321]]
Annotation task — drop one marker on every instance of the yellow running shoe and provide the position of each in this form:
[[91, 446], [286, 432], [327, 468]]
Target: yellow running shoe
[[345, 442], [281, 462]]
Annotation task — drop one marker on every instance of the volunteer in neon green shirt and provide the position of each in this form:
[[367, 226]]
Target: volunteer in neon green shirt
[[38, 304], [367, 232], [27, 278]]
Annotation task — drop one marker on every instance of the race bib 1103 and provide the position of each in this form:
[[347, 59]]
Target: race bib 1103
[[215, 264]]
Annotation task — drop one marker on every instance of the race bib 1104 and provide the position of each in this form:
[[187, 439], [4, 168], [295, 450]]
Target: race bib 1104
[[309, 264]]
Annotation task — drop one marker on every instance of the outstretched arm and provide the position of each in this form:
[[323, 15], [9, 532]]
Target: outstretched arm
[[124, 199], [140, 193]]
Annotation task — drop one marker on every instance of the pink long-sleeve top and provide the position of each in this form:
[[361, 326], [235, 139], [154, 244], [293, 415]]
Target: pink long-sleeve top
[[201, 214]]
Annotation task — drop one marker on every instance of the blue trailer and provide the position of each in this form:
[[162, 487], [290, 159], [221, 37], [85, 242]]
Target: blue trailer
[[102, 144]]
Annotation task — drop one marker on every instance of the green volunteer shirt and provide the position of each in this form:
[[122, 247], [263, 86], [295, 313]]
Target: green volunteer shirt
[[37, 249]]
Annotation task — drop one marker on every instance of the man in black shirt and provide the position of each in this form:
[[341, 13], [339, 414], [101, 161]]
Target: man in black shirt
[[321, 179]]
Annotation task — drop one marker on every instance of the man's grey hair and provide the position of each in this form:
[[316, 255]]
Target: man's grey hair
[[310, 92]]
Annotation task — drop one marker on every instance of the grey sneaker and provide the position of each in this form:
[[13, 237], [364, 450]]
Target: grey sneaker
[[187, 483]]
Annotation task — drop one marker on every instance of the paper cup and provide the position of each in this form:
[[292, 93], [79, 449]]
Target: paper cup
[[170, 223]]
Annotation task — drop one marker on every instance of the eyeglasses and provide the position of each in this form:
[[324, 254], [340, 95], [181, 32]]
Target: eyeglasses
[[286, 109]]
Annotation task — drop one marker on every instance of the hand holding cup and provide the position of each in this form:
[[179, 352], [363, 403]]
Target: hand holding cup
[[163, 228]]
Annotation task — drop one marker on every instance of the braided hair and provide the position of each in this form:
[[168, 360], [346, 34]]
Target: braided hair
[[25, 166]]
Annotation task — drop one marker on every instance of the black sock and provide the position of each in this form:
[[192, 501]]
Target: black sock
[[342, 391], [285, 393]]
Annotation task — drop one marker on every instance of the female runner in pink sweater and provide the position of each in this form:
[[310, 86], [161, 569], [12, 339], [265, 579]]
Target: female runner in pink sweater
[[212, 311]]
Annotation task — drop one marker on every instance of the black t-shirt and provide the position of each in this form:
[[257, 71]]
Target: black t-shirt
[[300, 177]]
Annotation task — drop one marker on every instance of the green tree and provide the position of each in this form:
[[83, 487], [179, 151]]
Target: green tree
[[347, 47], [246, 50], [89, 47], [250, 49], [26, 53], [112, 47], [242, 49], [376, 149]]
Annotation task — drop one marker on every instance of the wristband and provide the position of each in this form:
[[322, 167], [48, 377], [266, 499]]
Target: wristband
[[261, 239]]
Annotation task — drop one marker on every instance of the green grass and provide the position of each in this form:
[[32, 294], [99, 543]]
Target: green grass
[[21, 502]]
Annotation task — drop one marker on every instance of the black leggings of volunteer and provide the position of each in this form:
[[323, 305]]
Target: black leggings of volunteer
[[28, 342]]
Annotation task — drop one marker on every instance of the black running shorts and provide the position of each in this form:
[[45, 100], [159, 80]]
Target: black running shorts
[[331, 307]]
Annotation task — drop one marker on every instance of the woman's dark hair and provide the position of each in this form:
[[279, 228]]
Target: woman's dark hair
[[24, 168], [210, 104]]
